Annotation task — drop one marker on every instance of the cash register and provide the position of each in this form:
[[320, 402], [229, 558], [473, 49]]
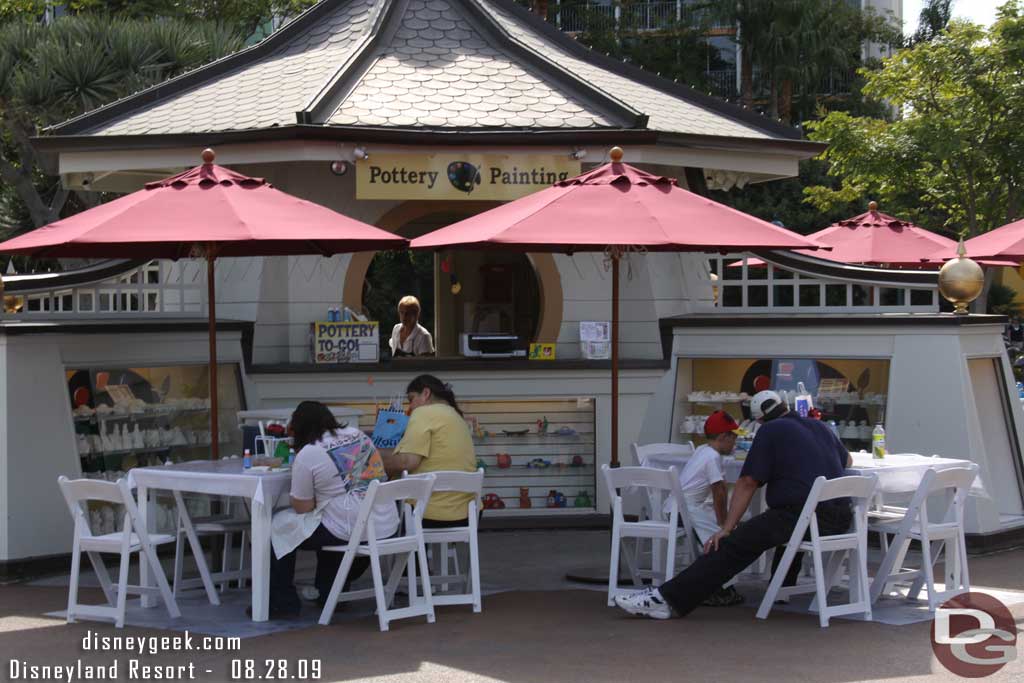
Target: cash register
[[491, 345]]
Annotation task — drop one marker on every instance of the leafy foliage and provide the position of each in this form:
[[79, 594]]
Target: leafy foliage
[[52, 72], [1003, 300], [953, 158]]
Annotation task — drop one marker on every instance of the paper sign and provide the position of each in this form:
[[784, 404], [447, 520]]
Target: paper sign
[[345, 342], [595, 331]]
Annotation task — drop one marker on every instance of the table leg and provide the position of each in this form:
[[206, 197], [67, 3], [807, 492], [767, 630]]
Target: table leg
[[261, 514], [197, 549], [146, 579]]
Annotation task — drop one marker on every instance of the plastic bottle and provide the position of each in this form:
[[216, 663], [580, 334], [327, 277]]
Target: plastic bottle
[[834, 427], [878, 442], [291, 456], [246, 459]]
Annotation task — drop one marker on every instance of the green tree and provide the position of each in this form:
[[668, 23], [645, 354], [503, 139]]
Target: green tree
[[932, 21], [49, 73], [953, 156], [793, 45]]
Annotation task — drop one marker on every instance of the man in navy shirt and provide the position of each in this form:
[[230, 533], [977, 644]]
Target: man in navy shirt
[[789, 452]]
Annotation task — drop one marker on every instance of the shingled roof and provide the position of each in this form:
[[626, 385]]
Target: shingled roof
[[438, 66]]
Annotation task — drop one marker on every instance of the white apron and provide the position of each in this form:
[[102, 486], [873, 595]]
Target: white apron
[[288, 528]]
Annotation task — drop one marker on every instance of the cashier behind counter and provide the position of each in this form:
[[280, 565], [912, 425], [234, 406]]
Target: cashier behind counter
[[409, 338]]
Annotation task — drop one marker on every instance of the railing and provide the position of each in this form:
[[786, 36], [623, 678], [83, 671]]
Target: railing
[[157, 288], [635, 16], [766, 288]]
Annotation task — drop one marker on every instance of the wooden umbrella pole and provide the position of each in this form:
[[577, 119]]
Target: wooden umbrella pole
[[615, 358], [211, 308]]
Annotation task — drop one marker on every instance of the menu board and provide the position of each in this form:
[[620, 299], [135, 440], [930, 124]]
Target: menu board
[[345, 342]]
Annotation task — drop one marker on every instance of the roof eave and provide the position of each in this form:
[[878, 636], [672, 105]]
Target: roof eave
[[803, 149]]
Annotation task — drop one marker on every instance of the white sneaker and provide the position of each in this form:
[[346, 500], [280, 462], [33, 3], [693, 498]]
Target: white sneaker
[[646, 603]]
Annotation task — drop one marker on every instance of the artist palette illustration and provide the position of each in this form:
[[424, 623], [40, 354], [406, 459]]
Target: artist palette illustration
[[463, 176]]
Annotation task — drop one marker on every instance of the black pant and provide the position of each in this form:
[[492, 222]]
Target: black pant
[[284, 597], [744, 545], [444, 523]]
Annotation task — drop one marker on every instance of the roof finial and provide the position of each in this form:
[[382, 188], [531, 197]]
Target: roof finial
[[208, 156], [872, 206], [616, 154]]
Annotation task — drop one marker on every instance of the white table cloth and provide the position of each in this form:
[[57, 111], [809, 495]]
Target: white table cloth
[[220, 478], [902, 472], [731, 467]]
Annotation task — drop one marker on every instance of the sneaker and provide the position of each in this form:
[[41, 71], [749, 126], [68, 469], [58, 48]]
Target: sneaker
[[726, 597], [646, 603]]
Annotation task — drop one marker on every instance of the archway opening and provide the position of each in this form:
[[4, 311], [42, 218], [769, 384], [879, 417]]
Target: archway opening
[[459, 291]]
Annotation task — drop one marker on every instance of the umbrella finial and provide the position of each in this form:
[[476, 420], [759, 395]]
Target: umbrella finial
[[872, 206], [616, 155], [208, 156]]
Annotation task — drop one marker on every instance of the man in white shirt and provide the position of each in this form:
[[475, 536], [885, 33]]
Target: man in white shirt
[[704, 491]]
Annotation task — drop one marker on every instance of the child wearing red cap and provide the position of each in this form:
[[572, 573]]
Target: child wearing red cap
[[704, 492]]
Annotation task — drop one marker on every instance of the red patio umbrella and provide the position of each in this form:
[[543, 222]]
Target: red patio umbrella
[[1006, 242], [877, 239], [206, 212], [614, 208]]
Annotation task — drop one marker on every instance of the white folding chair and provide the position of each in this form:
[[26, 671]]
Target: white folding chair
[[914, 524], [653, 558], [226, 525], [462, 482], [408, 545], [851, 545], [661, 527], [131, 539]]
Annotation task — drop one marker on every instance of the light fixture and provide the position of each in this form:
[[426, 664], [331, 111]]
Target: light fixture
[[339, 167], [359, 153], [577, 153]]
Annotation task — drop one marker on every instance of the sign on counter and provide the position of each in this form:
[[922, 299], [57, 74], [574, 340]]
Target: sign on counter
[[346, 342], [458, 175]]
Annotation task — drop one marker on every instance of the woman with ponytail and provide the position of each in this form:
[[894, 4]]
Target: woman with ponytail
[[437, 438]]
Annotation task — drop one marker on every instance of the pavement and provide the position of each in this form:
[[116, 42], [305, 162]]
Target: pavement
[[537, 627]]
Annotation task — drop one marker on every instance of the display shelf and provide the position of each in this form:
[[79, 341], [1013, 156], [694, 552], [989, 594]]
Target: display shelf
[[553, 470], [568, 511], [138, 417]]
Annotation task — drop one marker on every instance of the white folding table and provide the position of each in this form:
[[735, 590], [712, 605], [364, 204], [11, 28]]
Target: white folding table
[[219, 478]]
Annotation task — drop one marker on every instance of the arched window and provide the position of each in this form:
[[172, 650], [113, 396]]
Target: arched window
[[459, 291]]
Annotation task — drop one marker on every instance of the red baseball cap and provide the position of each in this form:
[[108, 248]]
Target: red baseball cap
[[719, 422]]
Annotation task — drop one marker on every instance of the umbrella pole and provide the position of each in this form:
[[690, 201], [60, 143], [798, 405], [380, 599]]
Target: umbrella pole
[[211, 308], [615, 359]]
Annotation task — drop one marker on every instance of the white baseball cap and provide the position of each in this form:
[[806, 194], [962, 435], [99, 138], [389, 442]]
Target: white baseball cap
[[765, 405]]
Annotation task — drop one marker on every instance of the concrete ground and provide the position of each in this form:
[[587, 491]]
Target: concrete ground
[[525, 634]]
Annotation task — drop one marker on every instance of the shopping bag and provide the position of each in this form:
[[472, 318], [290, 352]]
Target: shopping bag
[[390, 428]]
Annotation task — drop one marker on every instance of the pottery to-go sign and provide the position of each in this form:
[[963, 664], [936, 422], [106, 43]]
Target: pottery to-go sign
[[459, 176]]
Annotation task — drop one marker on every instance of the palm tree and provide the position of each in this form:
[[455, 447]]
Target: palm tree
[[49, 73]]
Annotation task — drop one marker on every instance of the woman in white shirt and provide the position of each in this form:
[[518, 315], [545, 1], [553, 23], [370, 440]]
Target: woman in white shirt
[[409, 338], [331, 472]]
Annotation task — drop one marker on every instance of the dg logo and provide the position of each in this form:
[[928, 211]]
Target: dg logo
[[974, 635]]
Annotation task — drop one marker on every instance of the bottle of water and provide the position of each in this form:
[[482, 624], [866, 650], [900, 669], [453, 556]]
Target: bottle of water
[[291, 456], [834, 427], [246, 459], [878, 442]]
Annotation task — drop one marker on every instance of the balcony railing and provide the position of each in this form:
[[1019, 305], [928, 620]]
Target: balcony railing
[[635, 16]]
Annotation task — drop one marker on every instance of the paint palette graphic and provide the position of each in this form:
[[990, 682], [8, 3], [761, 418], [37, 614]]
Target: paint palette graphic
[[463, 176]]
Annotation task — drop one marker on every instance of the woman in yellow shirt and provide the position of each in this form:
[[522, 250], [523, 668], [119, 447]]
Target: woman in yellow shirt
[[436, 438]]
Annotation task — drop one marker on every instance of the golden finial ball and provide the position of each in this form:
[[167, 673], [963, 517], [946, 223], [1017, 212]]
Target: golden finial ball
[[208, 156], [872, 206], [961, 281], [616, 155]]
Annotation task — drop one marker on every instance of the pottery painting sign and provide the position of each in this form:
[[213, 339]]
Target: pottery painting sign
[[458, 175]]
